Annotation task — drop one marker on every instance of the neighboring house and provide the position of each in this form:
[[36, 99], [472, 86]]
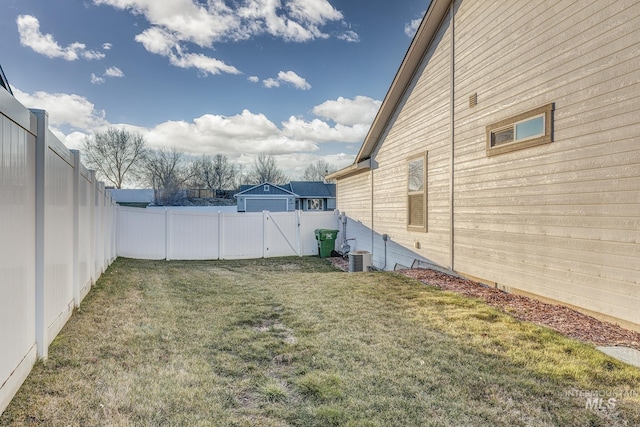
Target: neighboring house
[[507, 150], [297, 195], [314, 195]]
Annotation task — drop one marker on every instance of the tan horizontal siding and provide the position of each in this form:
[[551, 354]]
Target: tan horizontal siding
[[560, 220], [602, 298], [354, 197], [418, 127]]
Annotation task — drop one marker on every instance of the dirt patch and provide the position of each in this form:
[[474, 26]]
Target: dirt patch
[[558, 317], [279, 330]]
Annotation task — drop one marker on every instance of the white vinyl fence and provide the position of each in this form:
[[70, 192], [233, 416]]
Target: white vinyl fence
[[57, 237], [190, 234]]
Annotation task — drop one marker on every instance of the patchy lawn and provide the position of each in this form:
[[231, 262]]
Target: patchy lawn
[[291, 341]]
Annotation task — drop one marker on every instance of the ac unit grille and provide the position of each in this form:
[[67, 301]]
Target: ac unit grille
[[359, 261]]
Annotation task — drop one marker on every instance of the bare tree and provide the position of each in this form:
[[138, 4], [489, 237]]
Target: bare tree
[[116, 155], [166, 172], [241, 176], [216, 173], [265, 169], [318, 170]]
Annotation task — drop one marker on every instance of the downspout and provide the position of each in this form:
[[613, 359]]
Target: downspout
[[373, 234], [452, 128]]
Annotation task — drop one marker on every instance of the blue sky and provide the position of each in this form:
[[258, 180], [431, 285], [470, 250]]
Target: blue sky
[[300, 79]]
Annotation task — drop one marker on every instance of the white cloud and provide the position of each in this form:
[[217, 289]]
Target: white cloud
[[349, 36], [314, 11], [162, 42], [245, 133], [320, 131], [411, 27], [92, 54], [270, 82], [188, 20], [203, 63], [253, 79], [287, 77], [294, 164], [174, 24], [96, 80], [74, 140], [157, 40], [358, 111], [297, 81], [205, 23], [113, 72], [295, 142], [107, 46], [64, 109], [45, 44]]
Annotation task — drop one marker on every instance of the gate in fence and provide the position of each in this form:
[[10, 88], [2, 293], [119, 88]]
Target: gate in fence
[[198, 234]]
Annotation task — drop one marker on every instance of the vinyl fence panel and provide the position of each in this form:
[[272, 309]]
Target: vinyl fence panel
[[85, 236], [281, 234], [242, 235], [48, 235], [141, 233], [58, 233], [17, 246], [99, 230], [193, 235]]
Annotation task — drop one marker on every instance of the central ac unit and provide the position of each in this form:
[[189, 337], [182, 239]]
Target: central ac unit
[[359, 261]]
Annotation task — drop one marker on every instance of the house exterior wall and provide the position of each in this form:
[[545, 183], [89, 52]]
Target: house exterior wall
[[560, 221], [354, 197], [420, 125]]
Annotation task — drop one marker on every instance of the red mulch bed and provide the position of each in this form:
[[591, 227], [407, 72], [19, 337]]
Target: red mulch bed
[[558, 317]]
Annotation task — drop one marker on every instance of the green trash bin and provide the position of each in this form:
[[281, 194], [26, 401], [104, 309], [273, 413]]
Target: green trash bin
[[326, 241]]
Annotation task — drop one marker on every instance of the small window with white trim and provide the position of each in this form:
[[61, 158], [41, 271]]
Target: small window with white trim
[[534, 127], [417, 193], [265, 187]]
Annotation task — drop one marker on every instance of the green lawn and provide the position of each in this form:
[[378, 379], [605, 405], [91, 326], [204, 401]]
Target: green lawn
[[291, 341]]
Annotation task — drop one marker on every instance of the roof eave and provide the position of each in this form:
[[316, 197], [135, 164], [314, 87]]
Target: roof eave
[[412, 59], [355, 168], [241, 193]]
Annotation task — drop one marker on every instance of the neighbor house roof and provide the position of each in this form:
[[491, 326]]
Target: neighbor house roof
[[257, 189], [315, 189], [301, 189], [412, 60]]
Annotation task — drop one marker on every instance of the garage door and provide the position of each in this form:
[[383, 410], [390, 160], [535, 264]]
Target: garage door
[[259, 205]]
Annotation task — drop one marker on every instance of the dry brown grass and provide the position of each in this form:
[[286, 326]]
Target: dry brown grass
[[291, 341]]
